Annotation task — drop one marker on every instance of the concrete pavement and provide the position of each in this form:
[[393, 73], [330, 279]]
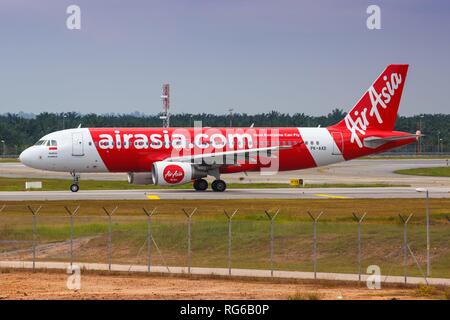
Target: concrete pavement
[[177, 194], [222, 272], [355, 171]]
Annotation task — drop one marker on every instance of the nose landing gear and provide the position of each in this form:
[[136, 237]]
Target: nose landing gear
[[74, 187]]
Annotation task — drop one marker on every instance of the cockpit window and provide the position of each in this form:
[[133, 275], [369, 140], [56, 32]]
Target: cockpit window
[[48, 143], [40, 142]]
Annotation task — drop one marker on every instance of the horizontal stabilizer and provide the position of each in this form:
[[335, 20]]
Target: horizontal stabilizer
[[374, 142]]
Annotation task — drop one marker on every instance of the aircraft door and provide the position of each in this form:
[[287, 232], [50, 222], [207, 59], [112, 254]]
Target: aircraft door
[[338, 145], [77, 144]]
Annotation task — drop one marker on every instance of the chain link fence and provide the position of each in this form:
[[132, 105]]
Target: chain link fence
[[210, 238]]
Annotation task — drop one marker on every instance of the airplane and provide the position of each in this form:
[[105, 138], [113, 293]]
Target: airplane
[[174, 156]]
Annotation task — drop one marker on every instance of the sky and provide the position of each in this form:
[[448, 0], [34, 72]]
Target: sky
[[250, 55]]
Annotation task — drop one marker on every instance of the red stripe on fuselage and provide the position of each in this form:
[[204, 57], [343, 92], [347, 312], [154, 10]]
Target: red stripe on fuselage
[[135, 149]]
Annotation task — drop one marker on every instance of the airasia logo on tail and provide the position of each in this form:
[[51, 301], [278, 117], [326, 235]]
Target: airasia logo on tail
[[358, 122], [173, 174]]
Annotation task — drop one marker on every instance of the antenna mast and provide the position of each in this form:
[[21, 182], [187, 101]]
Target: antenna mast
[[166, 105]]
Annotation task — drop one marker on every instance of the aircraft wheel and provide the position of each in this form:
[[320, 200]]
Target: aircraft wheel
[[74, 187], [219, 185], [200, 185]]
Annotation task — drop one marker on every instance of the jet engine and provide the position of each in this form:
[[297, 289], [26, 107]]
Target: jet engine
[[165, 173]]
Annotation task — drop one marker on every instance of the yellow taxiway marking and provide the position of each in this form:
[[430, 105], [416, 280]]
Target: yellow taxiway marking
[[330, 196], [153, 197]]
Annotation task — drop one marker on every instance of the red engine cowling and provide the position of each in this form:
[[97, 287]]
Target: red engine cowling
[[165, 173]]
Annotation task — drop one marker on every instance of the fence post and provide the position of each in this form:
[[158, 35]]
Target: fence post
[[405, 221], [229, 217], [34, 213], [271, 219], [359, 220], [417, 264], [149, 236], [71, 214], [109, 214], [315, 219], [189, 216]]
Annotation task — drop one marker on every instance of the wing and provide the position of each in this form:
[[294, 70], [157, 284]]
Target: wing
[[231, 157]]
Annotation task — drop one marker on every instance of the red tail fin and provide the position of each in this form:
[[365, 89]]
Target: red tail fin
[[378, 107]]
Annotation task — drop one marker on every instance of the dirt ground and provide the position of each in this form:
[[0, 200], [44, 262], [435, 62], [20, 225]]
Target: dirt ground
[[52, 285]]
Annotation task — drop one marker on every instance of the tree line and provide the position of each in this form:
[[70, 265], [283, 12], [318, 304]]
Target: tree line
[[19, 131]]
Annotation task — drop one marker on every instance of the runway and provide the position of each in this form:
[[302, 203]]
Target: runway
[[350, 172], [364, 171], [297, 193]]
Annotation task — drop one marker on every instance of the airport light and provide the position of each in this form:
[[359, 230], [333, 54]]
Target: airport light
[[4, 147], [63, 118], [428, 225], [438, 141], [419, 147]]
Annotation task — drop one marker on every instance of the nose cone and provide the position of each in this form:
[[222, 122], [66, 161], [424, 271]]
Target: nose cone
[[26, 157]]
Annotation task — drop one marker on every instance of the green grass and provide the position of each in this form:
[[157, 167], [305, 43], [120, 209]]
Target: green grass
[[378, 210], [400, 157], [354, 185], [7, 160], [382, 233], [18, 184], [433, 171]]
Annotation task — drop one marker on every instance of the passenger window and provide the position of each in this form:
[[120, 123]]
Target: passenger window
[[53, 143]]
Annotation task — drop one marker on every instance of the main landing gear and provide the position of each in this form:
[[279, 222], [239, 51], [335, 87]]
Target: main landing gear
[[217, 185], [200, 185], [74, 187]]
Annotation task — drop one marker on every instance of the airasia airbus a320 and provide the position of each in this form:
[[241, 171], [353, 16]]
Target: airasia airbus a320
[[174, 156]]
